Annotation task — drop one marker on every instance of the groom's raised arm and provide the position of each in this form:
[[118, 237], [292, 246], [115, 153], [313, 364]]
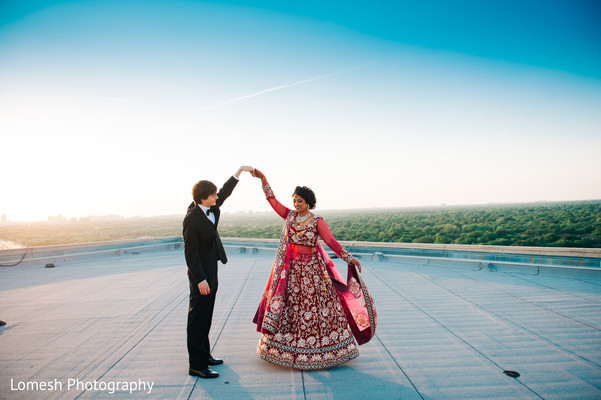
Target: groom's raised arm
[[230, 184]]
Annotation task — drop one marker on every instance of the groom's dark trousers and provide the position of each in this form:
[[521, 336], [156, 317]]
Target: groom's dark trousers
[[203, 248]]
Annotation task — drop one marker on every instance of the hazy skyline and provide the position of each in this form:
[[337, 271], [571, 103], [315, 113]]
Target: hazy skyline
[[108, 107]]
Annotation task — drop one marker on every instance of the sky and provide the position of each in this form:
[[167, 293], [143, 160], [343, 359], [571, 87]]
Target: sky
[[120, 106]]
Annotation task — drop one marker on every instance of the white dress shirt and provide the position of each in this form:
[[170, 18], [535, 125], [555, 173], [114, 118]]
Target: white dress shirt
[[211, 216]]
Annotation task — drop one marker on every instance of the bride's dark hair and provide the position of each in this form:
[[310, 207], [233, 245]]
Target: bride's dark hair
[[307, 195]]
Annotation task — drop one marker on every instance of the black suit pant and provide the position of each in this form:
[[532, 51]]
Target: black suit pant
[[200, 315]]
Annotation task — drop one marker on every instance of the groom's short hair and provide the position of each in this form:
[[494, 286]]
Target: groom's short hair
[[202, 190]]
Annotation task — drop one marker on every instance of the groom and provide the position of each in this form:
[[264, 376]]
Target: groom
[[203, 248]]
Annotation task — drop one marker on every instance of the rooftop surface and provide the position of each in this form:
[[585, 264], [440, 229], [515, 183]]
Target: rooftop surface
[[109, 325]]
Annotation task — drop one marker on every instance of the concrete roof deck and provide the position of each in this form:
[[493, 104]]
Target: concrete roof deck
[[447, 329]]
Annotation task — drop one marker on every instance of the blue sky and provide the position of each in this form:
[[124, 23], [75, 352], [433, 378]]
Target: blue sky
[[108, 107]]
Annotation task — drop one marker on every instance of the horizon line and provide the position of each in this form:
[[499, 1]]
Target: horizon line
[[364, 209]]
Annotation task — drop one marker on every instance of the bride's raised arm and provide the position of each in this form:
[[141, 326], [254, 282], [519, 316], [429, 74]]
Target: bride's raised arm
[[278, 207]]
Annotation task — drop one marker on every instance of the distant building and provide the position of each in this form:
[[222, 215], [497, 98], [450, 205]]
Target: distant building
[[56, 218], [104, 217], [3, 219]]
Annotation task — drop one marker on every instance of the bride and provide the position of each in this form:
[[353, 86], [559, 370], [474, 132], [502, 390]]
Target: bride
[[301, 316]]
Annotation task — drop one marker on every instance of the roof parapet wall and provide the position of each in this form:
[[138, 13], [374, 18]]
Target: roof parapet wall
[[533, 260]]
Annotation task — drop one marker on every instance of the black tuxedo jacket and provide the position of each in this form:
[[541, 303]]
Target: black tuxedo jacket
[[202, 245]]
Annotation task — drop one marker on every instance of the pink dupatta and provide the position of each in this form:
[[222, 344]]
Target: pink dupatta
[[268, 314], [356, 300]]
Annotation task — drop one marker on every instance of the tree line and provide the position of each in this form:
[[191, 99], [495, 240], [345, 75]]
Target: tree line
[[573, 224], [576, 224]]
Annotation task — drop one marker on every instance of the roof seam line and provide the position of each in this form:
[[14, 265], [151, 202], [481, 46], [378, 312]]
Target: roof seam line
[[451, 332]]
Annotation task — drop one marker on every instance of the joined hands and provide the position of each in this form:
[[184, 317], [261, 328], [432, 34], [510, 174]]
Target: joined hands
[[258, 174], [242, 168]]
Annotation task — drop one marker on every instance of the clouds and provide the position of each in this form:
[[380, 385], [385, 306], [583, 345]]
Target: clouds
[[285, 86]]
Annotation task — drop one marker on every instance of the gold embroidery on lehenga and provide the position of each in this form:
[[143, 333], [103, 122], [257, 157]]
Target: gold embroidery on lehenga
[[312, 331]]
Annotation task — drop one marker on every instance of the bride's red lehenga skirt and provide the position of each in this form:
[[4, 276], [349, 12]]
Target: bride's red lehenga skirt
[[313, 331]]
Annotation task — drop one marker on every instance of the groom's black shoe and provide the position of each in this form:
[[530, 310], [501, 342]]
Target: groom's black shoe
[[204, 373], [215, 361]]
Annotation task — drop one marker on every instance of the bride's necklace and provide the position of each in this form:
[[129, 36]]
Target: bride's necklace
[[300, 219]]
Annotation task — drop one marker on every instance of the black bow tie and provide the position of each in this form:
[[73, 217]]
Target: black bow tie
[[209, 211]]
